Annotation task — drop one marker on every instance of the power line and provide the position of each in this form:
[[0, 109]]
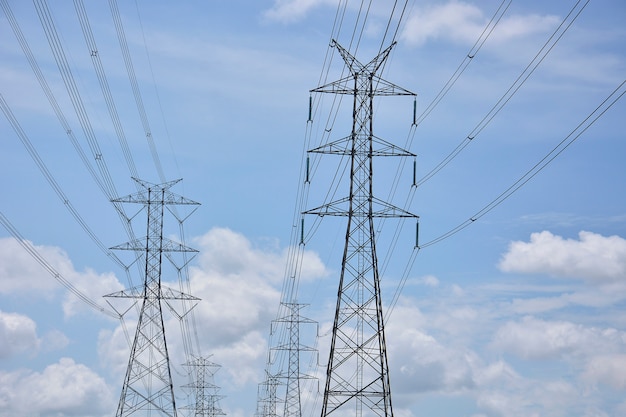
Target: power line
[[53, 183], [567, 22], [55, 274], [121, 36], [574, 135], [104, 84]]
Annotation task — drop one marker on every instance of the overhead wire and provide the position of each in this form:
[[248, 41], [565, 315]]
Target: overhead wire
[[51, 270], [295, 256], [60, 114], [53, 183], [57, 49], [121, 36], [565, 143], [92, 47], [467, 59], [539, 57]]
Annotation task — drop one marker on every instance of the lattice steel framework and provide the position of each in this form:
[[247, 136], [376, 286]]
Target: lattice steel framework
[[357, 377], [293, 405], [205, 392], [148, 389], [267, 397]]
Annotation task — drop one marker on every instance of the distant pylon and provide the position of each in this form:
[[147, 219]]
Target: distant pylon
[[293, 404], [148, 389], [204, 391], [357, 377], [267, 398]]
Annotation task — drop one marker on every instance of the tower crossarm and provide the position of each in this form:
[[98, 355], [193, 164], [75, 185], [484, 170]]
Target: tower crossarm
[[380, 209], [343, 146]]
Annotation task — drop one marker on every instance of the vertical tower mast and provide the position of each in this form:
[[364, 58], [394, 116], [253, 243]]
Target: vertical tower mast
[[148, 389], [357, 377]]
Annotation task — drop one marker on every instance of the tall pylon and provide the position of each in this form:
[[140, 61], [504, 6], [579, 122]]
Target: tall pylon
[[357, 376], [148, 389]]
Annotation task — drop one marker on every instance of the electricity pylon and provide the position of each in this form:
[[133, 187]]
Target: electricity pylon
[[148, 389], [293, 405], [205, 392], [267, 398], [357, 376], [281, 372]]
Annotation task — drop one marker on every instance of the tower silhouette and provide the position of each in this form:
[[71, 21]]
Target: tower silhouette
[[357, 376], [148, 389]]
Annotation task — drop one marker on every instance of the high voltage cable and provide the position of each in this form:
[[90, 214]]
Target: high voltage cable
[[53, 183], [467, 59], [48, 92], [108, 186], [121, 36], [539, 166], [156, 90], [60, 278], [574, 135], [104, 85], [517, 84], [486, 33], [547, 47], [68, 79], [119, 28]]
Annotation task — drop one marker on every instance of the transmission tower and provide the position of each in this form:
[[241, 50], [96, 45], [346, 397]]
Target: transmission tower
[[284, 372], [205, 392], [293, 405], [267, 396], [148, 389], [357, 376]]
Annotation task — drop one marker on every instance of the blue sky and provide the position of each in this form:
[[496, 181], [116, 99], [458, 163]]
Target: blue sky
[[518, 314]]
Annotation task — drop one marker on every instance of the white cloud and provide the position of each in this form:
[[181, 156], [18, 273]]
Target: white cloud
[[288, 11], [422, 363], [429, 281], [594, 258], [62, 389], [455, 21], [239, 284], [533, 338], [608, 370], [462, 22], [18, 334], [20, 272]]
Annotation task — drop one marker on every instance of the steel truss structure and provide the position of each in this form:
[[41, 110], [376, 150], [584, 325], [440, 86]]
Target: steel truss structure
[[357, 376], [148, 389]]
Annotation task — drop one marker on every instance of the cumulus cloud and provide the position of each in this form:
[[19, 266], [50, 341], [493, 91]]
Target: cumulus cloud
[[18, 334], [64, 388], [20, 273], [609, 370], [239, 284], [423, 363], [533, 338], [593, 257], [462, 22]]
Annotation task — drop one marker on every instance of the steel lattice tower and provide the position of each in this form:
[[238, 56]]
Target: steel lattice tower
[[293, 406], [267, 398], [201, 371], [357, 377], [148, 389]]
